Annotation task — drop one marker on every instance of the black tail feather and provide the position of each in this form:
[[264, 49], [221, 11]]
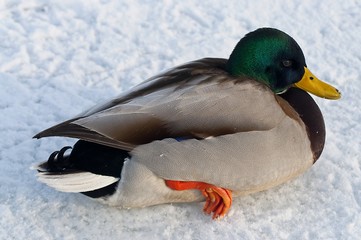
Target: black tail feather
[[88, 157]]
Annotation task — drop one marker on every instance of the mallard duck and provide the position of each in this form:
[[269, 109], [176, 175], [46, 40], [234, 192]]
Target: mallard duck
[[208, 130]]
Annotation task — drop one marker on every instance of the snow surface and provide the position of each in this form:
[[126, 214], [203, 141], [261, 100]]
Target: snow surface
[[58, 58]]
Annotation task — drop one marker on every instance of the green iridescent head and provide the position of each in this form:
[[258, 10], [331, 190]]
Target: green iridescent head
[[270, 56], [274, 58]]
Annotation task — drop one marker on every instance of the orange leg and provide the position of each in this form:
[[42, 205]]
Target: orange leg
[[218, 200]]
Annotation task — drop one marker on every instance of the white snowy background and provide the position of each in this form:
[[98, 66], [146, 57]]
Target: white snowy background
[[58, 58]]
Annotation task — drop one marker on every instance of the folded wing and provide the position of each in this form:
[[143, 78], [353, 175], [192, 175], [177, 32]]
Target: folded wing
[[196, 100]]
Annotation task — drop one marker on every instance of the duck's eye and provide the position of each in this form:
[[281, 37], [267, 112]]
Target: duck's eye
[[287, 63]]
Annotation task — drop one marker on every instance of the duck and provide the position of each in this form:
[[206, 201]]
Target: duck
[[208, 130]]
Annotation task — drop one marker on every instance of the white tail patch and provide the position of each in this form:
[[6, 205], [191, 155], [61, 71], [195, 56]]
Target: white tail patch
[[75, 182]]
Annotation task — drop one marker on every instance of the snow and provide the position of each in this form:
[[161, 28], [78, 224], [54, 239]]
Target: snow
[[59, 57]]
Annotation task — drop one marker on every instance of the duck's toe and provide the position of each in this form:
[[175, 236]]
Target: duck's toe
[[218, 200]]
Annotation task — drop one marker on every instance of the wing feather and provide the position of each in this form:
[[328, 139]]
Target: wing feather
[[195, 100]]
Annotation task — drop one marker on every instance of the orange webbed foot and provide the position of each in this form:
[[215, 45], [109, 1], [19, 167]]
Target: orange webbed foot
[[218, 200]]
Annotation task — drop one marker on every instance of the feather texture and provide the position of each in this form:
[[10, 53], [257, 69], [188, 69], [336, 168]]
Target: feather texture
[[76, 181], [164, 107], [230, 127]]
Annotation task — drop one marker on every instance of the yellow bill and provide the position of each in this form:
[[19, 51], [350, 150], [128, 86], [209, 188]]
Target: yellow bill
[[313, 85]]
